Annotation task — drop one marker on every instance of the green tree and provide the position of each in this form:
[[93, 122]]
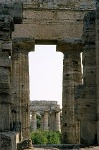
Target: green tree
[[46, 137]]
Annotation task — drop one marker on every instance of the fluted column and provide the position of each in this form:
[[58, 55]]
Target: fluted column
[[45, 121], [34, 121], [20, 85], [71, 78]]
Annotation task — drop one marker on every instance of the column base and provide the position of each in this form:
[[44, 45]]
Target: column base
[[25, 145]]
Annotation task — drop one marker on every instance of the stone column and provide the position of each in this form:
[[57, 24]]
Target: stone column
[[72, 77], [57, 121], [52, 121], [6, 27], [20, 85], [42, 121], [34, 121], [45, 120], [97, 66]]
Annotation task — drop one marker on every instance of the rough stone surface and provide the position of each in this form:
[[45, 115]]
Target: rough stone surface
[[71, 78], [50, 20], [86, 97]]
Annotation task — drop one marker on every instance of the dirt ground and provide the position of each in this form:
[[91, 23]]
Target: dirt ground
[[91, 148]]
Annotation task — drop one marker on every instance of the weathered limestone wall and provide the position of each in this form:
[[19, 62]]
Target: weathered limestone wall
[[5, 68], [51, 20], [8, 139], [86, 94]]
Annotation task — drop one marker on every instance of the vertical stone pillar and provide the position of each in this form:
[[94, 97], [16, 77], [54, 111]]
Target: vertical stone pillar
[[6, 27], [72, 77], [97, 66], [57, 121], [87, 102], [42, 121], [34, 121], [45, 120], [52, 121], [20, 85]]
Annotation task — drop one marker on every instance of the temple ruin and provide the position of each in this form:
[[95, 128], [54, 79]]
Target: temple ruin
[[50, 115], [73, 26]]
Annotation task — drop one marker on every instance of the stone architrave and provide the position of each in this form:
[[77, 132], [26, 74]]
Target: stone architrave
[[20, 85], [72, 77]]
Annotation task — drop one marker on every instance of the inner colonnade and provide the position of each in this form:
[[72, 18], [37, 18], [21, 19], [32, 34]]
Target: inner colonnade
[[49, 112]]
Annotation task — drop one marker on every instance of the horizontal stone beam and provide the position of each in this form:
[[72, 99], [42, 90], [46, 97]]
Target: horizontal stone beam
[[23, 44], [12, 9], [70, 44]]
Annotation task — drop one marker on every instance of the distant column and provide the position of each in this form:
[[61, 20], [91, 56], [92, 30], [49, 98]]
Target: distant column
[[52, 120], [20, 84], [45, 121], [72, 77], [42, 121], [34, 121], [57, 121]]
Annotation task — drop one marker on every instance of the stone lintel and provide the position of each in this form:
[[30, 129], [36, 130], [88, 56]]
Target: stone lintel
[[23, 44], [13, 9], [70, 44]]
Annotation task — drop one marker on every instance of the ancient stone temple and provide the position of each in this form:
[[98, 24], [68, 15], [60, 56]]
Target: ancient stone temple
[[49, 111], [73, 26]]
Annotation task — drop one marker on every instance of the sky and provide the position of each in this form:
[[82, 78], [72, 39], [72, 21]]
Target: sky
[[45, 71]]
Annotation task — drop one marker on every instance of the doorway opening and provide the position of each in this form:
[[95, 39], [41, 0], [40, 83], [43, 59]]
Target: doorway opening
[[45, 71]]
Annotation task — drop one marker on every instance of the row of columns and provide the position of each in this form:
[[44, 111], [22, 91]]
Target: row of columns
[[49, 121]]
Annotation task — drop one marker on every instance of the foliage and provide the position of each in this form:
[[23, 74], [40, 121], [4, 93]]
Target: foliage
[[46, 137]]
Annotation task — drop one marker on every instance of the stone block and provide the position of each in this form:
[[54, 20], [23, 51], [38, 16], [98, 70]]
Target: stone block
[[13, 9], [5, 117], [8, 140], [4, 80], [5, 36], [88, 132], [5, 98], [5, 61], [25, 145], [7, 46]]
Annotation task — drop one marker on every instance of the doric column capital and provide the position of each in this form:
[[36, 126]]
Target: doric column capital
[[69, 44], [23, 44]]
